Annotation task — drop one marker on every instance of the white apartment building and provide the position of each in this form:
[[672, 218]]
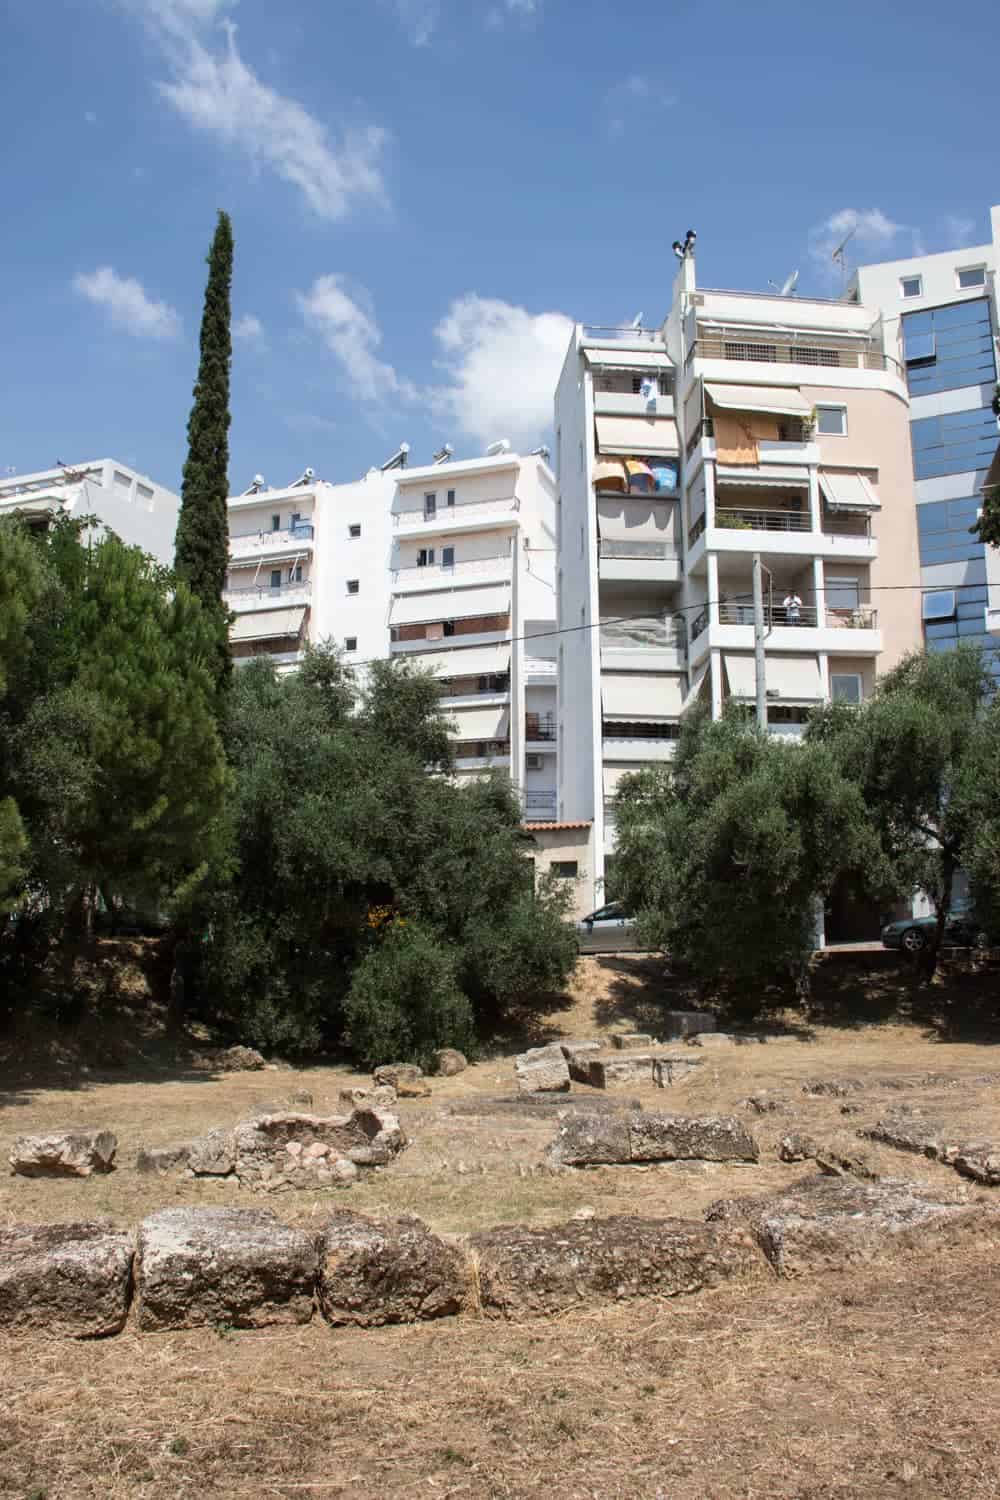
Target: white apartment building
[[450, 565], [141, 512], [942, 320], [747, 424]]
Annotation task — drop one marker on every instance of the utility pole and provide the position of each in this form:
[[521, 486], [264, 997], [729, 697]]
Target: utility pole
[[758, 643]]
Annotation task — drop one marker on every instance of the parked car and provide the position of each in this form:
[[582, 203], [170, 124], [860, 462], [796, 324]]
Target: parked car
[[609, 929], [961, 930]]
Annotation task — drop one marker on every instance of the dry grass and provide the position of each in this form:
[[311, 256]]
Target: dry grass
[[882, 1383]]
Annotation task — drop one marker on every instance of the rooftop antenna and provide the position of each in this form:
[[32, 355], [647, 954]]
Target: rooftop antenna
[[839, 255], [398, 459], [787, 287], [443, 454]]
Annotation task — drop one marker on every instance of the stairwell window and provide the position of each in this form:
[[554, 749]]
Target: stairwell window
[[845, 687], [353, 586], [831, 421], [354, 531], [350, 643]]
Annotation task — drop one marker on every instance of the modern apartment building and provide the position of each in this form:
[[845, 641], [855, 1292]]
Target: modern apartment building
[[747, 424], [941, 319], [450, 565], [141, 512]]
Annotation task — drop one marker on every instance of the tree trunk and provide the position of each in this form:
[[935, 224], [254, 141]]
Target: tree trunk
[[928, 959]]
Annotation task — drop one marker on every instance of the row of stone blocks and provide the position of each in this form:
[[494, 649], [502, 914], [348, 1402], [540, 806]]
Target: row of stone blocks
[[243, 1268]]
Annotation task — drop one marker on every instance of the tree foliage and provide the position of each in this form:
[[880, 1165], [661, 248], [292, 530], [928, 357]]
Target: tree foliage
[[727, 855]]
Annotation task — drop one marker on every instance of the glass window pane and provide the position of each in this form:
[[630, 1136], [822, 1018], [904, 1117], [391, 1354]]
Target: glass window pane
[[910, 286], [939, 606], [831, 420], [976, 277], [845, 688]]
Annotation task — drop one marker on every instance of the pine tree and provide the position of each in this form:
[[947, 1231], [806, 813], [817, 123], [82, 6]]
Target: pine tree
[[202, 546]]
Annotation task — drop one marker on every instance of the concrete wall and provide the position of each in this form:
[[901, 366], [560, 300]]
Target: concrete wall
[[563, 844]]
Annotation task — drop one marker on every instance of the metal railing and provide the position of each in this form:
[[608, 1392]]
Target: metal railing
[[484, 683], [776, 614], [540, 727], [540, 802], [697, 530], [480, 749], [631, 729], [767, 346], [650, 632], [469, 510], [624, 335], [411, 572], [618, 547], [746, 519], [268, 541], [846, 523], [268, 591], [856, 617], [699, 623]]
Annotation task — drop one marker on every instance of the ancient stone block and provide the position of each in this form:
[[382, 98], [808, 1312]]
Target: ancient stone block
[[578, 1055], [449, 1061], [233, 1060], [537, 1272], [654, 1137], [682, 1023], [838, 1088], [213, 1155], [629, 1040], [979, 1160], [75, 1152], [796, 1147], [585, 1140], [275, 1151], [542, 1070], [406, 1078], [827, 1224], [69, 1279], [163, 1158], [198, 1267], [766, 1103], [388, 1271], [630, 1068], [381, 1096], [910, 1133], [712, 1039], [670, 1072]]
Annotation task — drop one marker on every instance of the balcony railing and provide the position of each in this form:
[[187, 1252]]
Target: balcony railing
[[860, 617], [630, 335], [742, 519], [270, 541], [455, 515], [846, 523], [540, 727], [419, 572], [855, 617], [776, 614], [642, 633], [251, 591], [480, 749], [619, 547], [540, 804], [765, 346]]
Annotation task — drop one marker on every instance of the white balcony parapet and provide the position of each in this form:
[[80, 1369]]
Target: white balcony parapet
[[272, 543], [256, 597], [455, 517], [431, 575]]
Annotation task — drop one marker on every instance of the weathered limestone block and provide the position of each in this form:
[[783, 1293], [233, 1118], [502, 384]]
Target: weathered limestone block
[[537, 1272], [910, 1133], [388, 1271], [827, 1224], [682, 1023], [68, 1279], [586, 1140], [383, 1096], [979, 1160], [689, 1138], [233, 1060], [449, 1062], [619, 1072], [671, 1072], [163, 1158], [542, 1070], [75, 1152], [214, 1154], [627, 1041], [198, 1267], [837, 1158], [721, 1039], [578, 1055], [406, 1078], [796, 1147]]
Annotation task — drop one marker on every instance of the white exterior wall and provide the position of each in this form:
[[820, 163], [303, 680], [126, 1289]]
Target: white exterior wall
[[140, 511]]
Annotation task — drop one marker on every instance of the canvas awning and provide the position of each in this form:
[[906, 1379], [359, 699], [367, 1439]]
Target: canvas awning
[[636, 436], [624, 359], [640, 695], [609, 473], [267, 625], [794, 679], [475, 662], [844, 491], [741, 675], [641, 518], [479, 723], [450, 604], [765, 477], [697, 681], [776, 400]]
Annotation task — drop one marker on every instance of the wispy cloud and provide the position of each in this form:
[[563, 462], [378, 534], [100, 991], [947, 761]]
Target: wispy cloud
[[872, 233], [527, 12], [248, 328], [632, 102], [502, 364], [345, 320], [128, 304], [418, 18], [957, 231], [220, 94]]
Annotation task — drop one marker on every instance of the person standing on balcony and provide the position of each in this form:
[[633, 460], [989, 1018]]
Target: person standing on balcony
[[792, 605]]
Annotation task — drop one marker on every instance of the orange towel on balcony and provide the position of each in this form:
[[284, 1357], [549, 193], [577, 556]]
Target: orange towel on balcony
[[734, 441]]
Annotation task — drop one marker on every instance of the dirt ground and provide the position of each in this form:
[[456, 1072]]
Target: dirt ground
[[880, 1384]]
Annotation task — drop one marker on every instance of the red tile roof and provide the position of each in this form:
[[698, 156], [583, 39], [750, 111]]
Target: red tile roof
[[545, 827]]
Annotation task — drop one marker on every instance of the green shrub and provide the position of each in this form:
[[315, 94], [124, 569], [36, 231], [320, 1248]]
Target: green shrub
[[404, 1001]]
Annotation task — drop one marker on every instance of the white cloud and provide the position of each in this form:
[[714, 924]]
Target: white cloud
[[347, 325], [957, 231], [248, 327], [419, 18], [127, 303], [873, 236], [633, 101], [217, 92], [503, 363], [525, 11]]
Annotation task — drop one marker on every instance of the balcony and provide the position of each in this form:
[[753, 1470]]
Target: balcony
[[640, 743], [473, 515], [413, 577], [791, 347], [481, 755], [796, 448], [648, 643], [624, 561], [540, 805], [262, 596], [787, 533], [264, 544], [842, 632], [539, 729]]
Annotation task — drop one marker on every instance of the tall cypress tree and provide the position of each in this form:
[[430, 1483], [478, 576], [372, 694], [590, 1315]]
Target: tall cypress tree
[[202, 544]]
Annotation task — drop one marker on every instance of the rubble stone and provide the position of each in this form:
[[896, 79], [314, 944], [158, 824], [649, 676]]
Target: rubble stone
[[213, 1155], [919, 1136], [382, 1096], [406, 1078], [542, 1070], [682, 1023], [626, 1041], [837, 1088], [766, 1103], [282, 1150], [675, 1137], [537, 1272], [449, 1062], [234, 1060], [388, 1271], [796, 1147], [712, 1039], [69, 1279], [75, 1152], [670, 1072], [198, 1267], [163, 1158]]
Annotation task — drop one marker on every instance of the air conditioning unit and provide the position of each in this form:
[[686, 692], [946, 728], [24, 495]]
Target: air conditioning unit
[[534, 762]]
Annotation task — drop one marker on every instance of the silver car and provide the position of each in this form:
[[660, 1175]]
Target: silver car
[[609, 929]]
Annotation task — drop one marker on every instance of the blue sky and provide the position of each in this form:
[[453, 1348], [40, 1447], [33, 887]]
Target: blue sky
[[424, 192]]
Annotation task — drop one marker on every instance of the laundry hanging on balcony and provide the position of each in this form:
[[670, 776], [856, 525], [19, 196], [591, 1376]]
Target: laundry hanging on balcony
[[641, 480], [737, 438]]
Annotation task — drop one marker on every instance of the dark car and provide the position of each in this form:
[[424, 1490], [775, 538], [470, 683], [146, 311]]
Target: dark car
[[961, 930], [609, 929]]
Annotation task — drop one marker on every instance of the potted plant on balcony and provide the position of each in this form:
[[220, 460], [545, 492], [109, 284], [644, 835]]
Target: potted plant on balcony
[[729, 521], [809, 426]]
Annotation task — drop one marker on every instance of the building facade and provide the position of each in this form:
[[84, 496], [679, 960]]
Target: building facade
[[941, 322], [450, 566], [748, 424], [141, 512]]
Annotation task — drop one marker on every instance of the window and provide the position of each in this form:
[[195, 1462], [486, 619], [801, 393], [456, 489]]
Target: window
[[949, 348], [350, 643], [845, 687], [353, 586], [122, 481], [450, 498], [566, 869], [296, 519], [764, 353], [430, 505], [144, 493], [276, 578], [354, 532], [448, 627], [943, 529], [275, 523], [953, 443], [425, 557], [447, 557], [940, 606], [295, 574], [843, 593], [911, 286], [831, 421], [803, 355], [972, 276]]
